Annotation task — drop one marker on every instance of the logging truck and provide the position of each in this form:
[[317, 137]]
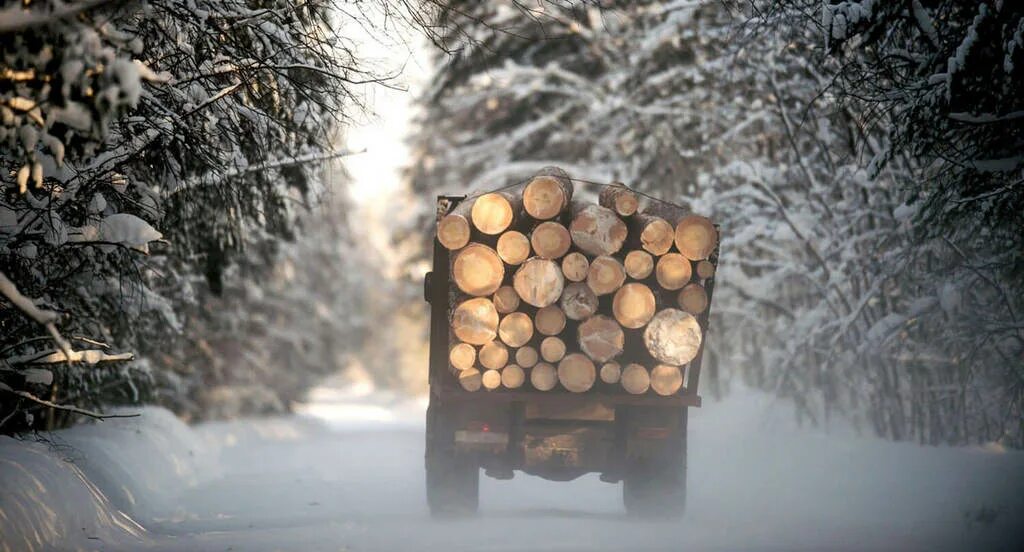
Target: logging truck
[[566, 337]]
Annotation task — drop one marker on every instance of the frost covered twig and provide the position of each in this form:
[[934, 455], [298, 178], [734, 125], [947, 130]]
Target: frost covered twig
[[64, 407]]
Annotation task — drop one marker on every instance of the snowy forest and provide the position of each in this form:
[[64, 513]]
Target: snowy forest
[[176, 227]]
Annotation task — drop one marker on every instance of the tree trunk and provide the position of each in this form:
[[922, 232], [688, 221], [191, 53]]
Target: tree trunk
[[633, 305], [666, 379], [549, 320], [635, 379], [575, 266], [543, 377], [601, 338], [655, 234], [493, 213], [606, 275], [478, 270], [547, 194], [512, 377], [639, 264], [552, 349], [673, 271], [550, 240], [526, 356], [513, 247], [506, 300], [673, 337], [693, 299], [491, 379], [577, 373], [516, 329], [493, 355], [617, 197], [596, 230], [462, 356], [705, 269], [539, 282], [578, 301], [696, 237], [475, 321], [611, 372], [470, 379]]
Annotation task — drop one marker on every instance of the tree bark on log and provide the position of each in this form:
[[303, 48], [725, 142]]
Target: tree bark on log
[[673, 337], [516, 329], [606, 275], [543, 377], [478, 270], [539, 282], [513, 247], [617, 197], [513, 377], [696, 237], [639, 264], [470, 379], [705, 269], [597, 230], [549, 320], [634, 305], [611, 372], [577, 373], [693, 299], [655, 233], [601, 338], [548, 193], [666, 379], [526, 356], [550, 240], [578, 301], [493, 355], [673, 271], [475, 321], [635, 379], [552, 349], [575, 266], [462, 356], [506, 300], [493, 213]]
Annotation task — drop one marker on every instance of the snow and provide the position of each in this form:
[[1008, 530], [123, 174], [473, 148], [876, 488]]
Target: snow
[[346, 473], [129, 230]]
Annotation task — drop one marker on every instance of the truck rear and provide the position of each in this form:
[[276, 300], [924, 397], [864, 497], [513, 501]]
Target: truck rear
[[566, 337]]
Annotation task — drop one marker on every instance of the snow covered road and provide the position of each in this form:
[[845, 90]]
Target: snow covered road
[[346, 474]]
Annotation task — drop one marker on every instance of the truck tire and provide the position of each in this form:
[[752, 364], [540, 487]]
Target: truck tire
[[655, 491], [453, 483]]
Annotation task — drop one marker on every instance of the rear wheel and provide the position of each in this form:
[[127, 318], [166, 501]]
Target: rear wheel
[[453, 483]]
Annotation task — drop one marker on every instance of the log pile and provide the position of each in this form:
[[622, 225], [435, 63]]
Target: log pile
[[552, 293]]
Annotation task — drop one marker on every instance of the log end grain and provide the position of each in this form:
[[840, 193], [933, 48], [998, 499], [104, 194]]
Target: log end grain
[[513, 247], [492, 213], [575, 266], [513, 377], [634, 305], [597, 230], [475, 321], [550, 240], [611, 372], [696, 237], [516, 329], [549, 320], [666, 379], [606, 274], [601, 338], [526, 356], [539, 282], [673, 271], [639, 264], [577, 373], [635, 379], [462, 356], [578, 301], [673, 337], [543, 377], [493, 355], [453, 231], [505, 299], [478, 270], [693, 298]]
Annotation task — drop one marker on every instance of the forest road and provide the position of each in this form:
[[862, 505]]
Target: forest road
[[346, 473]]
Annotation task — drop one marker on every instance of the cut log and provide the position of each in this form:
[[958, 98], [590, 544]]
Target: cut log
[[470, 379], [577, 373], [512, 377], [673, 271], [491, 379], [693, 299], [478, 270], [453, 231], [666, 379], [506, 300], [548, 193], [552, 349], [493, 213], [673, 337], [516, 329], [493, 355], [606, 274], [513, 247], [656, 234], [539, 282], [543, 377], [639, 264], [611, 372], [601, 338], [633, 305], [550, 240], [475, 321], [596, 230], [526, 357], [705, 269], [549, 320], [635, 379], [462, 356], [578, 302], [575, 266], [617, 197], [696, 237]]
